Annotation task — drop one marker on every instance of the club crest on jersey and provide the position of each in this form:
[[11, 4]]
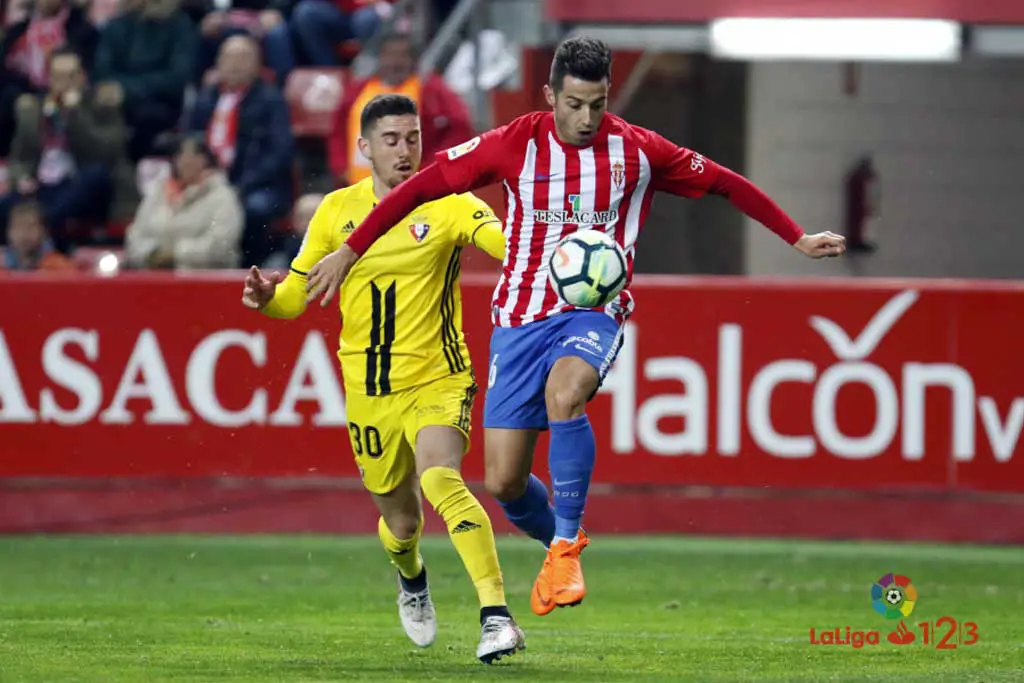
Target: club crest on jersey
[[618, 174], [419, 230], [575, 214], [463, 149]]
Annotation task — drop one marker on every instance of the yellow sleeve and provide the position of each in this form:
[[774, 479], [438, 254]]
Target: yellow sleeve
[[290, 296], [476, 224]]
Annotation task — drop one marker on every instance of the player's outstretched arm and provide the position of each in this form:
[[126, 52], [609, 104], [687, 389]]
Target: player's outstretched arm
[[686, 173], [751, 200], [327, 275], [475, 163]]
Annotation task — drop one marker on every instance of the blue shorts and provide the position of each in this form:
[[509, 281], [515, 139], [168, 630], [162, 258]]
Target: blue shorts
[[522, 357]]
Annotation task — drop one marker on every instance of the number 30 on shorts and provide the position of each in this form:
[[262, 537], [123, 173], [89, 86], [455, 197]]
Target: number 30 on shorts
[[365, 438]]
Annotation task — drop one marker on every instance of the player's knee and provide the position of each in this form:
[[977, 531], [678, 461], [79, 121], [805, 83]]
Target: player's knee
[[439, 446], [566, 401], [402, 524], [571, 383], [505, 486]]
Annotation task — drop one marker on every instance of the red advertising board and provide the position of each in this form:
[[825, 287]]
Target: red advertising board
[[861, 385]]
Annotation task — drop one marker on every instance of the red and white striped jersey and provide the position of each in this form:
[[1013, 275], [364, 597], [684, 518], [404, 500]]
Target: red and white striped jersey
[[553, 189]]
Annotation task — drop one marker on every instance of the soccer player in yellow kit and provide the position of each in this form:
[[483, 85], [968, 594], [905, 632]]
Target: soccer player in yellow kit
[[408, 379]]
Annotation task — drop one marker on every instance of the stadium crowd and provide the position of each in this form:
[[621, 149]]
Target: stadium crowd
[[175, 130]]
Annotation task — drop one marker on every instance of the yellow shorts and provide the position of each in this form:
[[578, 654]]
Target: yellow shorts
[[382, 429]]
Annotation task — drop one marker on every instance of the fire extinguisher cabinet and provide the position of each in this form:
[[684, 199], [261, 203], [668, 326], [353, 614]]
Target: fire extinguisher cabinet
[[862, 205]]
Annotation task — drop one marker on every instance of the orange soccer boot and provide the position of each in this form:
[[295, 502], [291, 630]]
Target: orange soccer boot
[[560, 581]]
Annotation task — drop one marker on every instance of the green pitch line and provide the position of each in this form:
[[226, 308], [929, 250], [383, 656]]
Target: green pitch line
[[314, 608]]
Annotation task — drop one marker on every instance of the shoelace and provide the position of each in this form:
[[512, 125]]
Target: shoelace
[[494, 624], [416, 601]]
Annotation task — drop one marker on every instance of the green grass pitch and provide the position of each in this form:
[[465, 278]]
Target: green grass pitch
[[313, 608]]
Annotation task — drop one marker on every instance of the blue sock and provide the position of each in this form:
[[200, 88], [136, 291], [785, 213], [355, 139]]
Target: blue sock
[[571, 461], [532, 512]]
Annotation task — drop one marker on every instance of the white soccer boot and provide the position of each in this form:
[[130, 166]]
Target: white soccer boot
[[416, 610], [499, 637]]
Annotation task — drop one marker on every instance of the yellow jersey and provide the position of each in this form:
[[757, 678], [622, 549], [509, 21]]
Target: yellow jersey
[[401, 306]]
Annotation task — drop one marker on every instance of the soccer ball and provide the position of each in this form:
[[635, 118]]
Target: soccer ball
[[587, 269], [894, 596]]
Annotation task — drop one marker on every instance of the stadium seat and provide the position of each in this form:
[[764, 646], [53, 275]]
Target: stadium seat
[[313, 96], [115, 231], [348, 50]]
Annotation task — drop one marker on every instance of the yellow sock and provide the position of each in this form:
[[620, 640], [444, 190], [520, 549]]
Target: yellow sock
[[470, 530], [404, 553]]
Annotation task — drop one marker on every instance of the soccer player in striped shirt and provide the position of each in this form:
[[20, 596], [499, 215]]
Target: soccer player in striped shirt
[[573, 168]]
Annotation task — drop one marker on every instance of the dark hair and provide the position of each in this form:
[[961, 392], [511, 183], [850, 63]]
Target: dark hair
[[587, 59], [385, 105], [397, 37], [197, 142]]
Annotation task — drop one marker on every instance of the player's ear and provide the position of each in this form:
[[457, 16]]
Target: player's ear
[[549, 95], [364, 148]]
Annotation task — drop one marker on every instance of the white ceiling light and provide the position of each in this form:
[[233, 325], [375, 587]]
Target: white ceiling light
[[919, 40]]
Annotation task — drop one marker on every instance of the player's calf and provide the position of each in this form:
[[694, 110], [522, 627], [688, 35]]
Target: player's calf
[[438, 448], [508, 456], [572, 449], [470, 530]]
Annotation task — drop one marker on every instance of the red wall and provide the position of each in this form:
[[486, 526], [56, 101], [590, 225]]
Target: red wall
[[837, 408]]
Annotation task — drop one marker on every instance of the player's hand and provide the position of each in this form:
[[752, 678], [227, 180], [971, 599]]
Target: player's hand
[[821, 245], [326, 276], [259, 290]]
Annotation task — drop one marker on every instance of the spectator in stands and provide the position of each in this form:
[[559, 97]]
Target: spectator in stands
[[28, 245], [25, 53], [444, 119], [247, 125], [289, 247], [319, 26], [262, 19], [192, 220], [69, 149], [150, 53]]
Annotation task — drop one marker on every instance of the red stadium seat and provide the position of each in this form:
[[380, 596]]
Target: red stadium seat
[[347, 50], [313, 96], [116, 230]]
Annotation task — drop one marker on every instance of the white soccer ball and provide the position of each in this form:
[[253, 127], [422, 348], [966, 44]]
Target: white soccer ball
[[587, 269], [894, 596]]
